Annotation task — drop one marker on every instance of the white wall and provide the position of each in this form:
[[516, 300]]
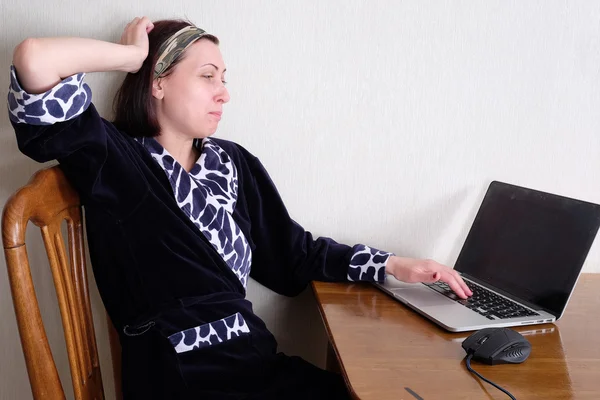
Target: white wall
[[381, 122]]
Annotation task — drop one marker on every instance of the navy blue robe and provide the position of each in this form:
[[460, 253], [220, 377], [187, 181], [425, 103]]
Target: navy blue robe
[[163, 283]]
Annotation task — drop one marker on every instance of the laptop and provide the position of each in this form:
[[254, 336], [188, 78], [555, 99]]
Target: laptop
[[522, 258]]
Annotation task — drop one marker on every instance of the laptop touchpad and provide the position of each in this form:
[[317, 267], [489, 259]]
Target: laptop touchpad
[[423, 297]]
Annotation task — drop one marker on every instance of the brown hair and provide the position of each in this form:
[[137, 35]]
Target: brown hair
[[134, 109]]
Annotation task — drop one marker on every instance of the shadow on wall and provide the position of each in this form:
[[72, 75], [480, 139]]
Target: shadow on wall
[[425, 227], [295, 321]]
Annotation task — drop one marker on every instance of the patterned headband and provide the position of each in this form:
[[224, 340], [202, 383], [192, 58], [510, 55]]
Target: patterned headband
[[174, 46]]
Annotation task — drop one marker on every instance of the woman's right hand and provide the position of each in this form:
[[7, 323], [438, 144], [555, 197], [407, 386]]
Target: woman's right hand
[[135, 35]]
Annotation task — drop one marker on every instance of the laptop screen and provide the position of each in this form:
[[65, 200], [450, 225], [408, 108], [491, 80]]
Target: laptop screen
[[530, 244]]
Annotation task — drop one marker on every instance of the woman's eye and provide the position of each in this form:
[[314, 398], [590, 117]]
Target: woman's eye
[[210, 77]]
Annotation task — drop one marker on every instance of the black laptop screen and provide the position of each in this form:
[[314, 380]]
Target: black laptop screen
[[530, 244]]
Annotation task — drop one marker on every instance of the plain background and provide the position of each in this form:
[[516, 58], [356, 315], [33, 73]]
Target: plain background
[[381, 122]]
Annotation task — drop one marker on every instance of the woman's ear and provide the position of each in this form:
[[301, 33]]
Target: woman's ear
[[157, 89]]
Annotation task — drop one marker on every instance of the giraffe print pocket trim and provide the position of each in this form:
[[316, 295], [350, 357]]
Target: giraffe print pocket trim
[[210, 334]]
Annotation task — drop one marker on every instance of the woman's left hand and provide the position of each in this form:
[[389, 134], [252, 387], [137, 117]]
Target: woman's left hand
[[413, 270]]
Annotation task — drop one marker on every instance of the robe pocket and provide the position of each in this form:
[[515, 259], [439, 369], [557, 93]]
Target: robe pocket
[[210, 334]]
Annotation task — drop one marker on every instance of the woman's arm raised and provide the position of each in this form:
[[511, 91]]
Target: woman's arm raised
[[41, 63]]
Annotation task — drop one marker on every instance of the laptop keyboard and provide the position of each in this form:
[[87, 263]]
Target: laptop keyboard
[[485, 302]]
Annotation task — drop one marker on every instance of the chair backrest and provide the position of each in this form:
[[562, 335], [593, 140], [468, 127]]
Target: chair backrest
[[47, 200]]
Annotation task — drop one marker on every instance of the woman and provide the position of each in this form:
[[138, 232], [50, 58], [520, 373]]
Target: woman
[[177, 221]]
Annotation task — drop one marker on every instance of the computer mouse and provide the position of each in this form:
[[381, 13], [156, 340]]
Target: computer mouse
[[497, 346]]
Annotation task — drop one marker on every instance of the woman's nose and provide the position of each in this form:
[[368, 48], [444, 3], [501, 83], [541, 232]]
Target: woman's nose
[[223, 95]]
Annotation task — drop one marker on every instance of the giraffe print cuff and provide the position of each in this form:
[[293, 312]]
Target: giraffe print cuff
[[63, 102], [368, 264]]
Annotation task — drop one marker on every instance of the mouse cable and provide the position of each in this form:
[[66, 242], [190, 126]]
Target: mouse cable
[[487, 380]]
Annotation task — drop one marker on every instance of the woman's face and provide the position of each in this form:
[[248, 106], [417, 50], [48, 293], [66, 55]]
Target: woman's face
[[190, 99]]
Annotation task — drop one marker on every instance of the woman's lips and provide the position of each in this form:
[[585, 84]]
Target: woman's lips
[[216, 114]]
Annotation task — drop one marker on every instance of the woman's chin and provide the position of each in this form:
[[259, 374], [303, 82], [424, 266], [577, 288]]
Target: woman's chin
[[202, 135]]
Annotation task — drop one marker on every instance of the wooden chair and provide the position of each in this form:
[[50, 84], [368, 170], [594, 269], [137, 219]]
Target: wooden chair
[[47, 200]]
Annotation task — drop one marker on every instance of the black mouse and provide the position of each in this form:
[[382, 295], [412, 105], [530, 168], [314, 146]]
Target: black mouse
[[497, 346]]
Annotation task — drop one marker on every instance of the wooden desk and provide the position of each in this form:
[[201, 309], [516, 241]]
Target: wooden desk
[[384, 347]]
